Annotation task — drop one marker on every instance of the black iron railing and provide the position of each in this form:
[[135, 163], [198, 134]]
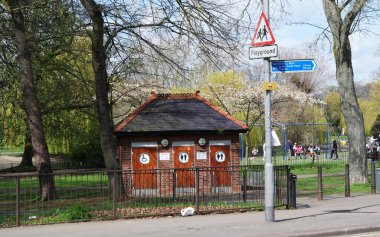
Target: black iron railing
[[104, 194]]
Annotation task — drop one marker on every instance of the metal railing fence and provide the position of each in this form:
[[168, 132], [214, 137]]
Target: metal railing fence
[[304, 159], [57, 164], [335, 184], [96, 195]]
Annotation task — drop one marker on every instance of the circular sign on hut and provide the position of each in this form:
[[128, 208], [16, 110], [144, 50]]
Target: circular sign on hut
[[144, 158], [183, 157], [220, 156]]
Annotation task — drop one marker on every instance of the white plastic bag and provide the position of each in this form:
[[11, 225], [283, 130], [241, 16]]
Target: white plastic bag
[[188, 211]]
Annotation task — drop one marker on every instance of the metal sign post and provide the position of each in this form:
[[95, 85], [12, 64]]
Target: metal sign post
[[269, 176], [263, 47]]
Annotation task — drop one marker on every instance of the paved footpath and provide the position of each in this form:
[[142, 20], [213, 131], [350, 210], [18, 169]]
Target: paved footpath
[[337, 216]]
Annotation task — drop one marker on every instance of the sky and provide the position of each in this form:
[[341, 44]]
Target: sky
[[297, 36]]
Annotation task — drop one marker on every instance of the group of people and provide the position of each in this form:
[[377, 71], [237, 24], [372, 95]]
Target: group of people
[[300, 152], [313, 151]]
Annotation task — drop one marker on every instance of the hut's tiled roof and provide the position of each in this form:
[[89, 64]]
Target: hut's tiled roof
[[178, 112]]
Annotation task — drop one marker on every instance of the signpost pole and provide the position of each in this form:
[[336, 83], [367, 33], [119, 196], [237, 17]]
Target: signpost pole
[[269, 177]]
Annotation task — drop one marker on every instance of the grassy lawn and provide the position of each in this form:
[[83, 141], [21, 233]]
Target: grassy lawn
[[10, 150], [331, 185], [67, 186], [332, 168], [313, 168]]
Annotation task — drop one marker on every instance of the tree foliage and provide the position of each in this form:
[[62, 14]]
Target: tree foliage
[[370, 106], [332, 108], [62, 78]]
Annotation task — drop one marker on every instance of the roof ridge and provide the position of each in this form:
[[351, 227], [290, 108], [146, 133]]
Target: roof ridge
[[177, 95]]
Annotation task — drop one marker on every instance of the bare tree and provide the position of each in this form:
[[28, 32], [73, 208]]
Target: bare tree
[[344, 17], [131, 32], [101, 82]]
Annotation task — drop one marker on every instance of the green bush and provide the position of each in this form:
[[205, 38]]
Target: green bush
[[73, 213], [89, 151]]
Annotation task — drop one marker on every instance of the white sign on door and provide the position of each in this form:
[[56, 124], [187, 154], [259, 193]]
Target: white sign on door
[[164, 156], [201, 155]]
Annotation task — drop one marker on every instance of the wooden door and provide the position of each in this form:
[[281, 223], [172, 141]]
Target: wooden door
[[183, 161], [144, 167], [220, 157]]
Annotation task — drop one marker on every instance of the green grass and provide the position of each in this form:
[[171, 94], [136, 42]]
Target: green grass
[[60, 180], [68, 186], [279, 160], [334, 168], [331, 185], [72, 213], [10, 149], [313, 168]]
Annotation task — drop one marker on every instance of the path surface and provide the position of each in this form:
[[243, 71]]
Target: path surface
[[7, 161], [331, 217]]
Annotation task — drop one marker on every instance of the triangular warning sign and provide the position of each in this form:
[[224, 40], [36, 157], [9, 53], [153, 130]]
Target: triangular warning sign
[[263, 34]]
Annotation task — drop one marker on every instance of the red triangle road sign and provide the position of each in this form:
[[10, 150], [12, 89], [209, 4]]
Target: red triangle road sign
[[263, 35]]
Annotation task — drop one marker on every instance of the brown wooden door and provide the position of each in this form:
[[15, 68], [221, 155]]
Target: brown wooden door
[[144, 166], [220, 157], [184, 158]]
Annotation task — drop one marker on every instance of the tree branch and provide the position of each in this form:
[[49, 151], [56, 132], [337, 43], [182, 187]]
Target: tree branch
[[351, 15]]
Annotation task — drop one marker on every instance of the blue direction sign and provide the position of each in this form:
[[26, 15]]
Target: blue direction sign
[[289, 66]]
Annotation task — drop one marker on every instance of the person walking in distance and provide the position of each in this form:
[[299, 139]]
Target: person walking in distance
[[334, 150]]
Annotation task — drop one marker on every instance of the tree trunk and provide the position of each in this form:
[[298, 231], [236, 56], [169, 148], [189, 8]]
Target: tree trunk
[[340, 29], [248, 153], [27, 156], [34, 119], [352, 115], [103, 107]]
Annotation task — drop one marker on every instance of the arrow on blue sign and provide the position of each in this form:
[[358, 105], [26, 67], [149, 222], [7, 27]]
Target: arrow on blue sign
[[288, 66]]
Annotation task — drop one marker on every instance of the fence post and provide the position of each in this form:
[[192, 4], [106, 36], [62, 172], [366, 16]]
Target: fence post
[[114, 195], [320, 187], [17, 200], [245, 185], [347, 188], [293, 190], [174, 184], [277, 188], [373, 178], [288, 197], [197, 190]]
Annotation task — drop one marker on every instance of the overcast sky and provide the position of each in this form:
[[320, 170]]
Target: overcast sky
[[364, 46]]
